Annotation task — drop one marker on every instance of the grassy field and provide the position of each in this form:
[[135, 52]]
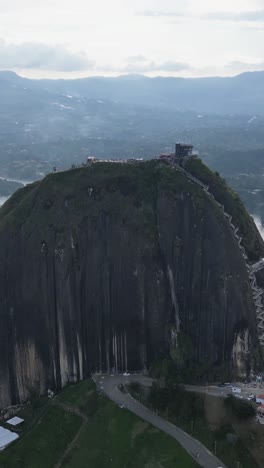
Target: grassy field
[[111, 437], [42, 446]]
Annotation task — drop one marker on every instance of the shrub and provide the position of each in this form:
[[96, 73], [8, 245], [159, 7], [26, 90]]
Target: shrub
[[135, 387], [241, 408]]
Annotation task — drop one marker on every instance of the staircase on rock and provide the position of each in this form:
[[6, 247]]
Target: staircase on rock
[[252, 269]]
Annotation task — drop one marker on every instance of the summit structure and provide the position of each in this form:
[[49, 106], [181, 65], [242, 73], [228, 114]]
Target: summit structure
[[183, 152]]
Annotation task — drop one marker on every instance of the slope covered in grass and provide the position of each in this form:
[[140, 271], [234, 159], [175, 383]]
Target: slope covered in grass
[[45, 443], [110, 437]]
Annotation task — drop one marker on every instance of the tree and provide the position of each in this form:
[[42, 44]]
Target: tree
[[241, 408]]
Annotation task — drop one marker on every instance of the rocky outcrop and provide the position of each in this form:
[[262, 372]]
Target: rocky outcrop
[[103, 268]]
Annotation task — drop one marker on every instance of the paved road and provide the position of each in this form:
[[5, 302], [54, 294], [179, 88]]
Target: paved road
[[109, 385], [209, 390], [222, 392]]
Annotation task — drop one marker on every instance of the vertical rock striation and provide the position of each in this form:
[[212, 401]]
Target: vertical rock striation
[[103, 268]]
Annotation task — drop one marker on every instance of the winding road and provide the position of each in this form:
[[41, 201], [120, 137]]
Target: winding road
[[108, 384]]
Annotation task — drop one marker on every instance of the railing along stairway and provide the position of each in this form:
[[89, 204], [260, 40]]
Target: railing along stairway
[[257, 292]]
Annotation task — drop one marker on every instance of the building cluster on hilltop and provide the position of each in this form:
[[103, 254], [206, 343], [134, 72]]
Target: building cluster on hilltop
[[182, 153], [92, 159]]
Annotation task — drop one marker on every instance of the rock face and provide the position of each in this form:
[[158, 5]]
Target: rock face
[[105, 268]]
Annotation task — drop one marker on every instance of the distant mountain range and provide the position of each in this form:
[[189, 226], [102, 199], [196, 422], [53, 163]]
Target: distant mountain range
[[242, 94], [47, 123]]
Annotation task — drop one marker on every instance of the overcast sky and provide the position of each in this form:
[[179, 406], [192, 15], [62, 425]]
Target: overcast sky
[[57, 38]]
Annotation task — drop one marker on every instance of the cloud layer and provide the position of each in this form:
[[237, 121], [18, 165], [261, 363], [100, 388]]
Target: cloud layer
[[251, 16], [32, 55], [158, 14], [140, 64], [257, 15], [57, 58], [239, 66], [162, 37]]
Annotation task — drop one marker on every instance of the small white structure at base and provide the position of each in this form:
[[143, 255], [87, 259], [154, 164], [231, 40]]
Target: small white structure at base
[[50, 393], [6, 437], [16, 421]]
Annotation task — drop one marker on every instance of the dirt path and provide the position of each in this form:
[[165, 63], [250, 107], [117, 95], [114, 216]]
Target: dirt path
[[71, 409]]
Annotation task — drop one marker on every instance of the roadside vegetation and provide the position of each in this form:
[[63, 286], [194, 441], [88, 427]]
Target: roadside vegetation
[[109, 436], [240, 408], [182, 368], [188, 411]]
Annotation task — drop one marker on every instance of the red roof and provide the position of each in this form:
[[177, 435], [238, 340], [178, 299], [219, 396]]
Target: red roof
[[260, 408]]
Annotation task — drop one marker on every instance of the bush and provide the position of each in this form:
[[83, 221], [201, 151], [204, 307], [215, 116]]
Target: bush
[[158, 397], [163, 368], [135, 387], [186, 405], [171, 371], [241, 408]]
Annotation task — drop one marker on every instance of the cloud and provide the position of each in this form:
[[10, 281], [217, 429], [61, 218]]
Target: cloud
[[257, 15], [158, 14], [137, 58], [240, 66], [31, 55], [250, 16], [169, 65], [147, 66], [15, 5], [38, 56]]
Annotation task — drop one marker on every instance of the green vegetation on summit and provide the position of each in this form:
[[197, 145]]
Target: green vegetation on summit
[[251, 238], [126, 190]]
